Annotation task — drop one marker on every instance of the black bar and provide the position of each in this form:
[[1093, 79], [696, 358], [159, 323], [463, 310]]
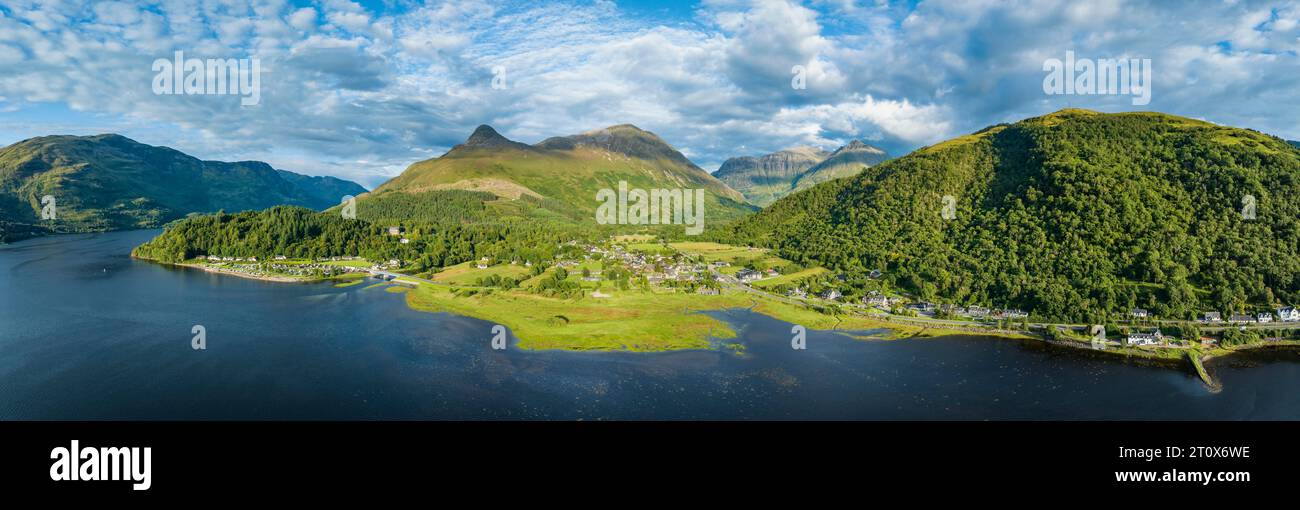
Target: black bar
[[362, 457]]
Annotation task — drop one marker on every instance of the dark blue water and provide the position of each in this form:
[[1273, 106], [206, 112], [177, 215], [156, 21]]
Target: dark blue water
[[88, 333]]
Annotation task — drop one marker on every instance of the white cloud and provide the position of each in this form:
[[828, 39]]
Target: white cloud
[[361, 94]]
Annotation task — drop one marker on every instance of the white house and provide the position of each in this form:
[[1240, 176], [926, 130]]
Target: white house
[[1212, 317], [831, 294], [1288, 314], [1140, 313], [1241, 318], [1155, 338]]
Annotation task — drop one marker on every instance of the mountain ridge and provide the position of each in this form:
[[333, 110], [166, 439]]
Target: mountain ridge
[[111, 182], [767, 178], [562, 174]]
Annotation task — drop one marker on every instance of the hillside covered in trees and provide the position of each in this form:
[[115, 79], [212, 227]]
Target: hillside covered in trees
[[1074, 215], [299, 233], [110, 182]]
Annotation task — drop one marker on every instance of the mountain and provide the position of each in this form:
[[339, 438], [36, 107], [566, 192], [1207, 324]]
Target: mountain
[[110, 182], [322, 191], [846, 161], [1293, 142], [557, 178], [766, 178], [1076, 215]]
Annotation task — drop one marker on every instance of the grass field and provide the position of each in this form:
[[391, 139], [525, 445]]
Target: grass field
[[789, 278], [713, 252], [629, 320], [467, 273]]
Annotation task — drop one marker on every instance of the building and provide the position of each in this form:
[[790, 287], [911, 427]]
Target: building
[[748, 275], [405, 241], [1137, 338], [977, 311], [707, 291], [830, 294], [394, 231], [1241, 318], [875, 274], [281, 257], [797, 292], [1140, 313], [1264, 317], [1211, 317], [1288, 314], [771, 273], [878, 300], [1015, 313], [482, 263]]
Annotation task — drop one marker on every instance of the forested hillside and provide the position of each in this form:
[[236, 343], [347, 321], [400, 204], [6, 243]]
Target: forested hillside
[[110, 182], [1073, 215], [300, 233]]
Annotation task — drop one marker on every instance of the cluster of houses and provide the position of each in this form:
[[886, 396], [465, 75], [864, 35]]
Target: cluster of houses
[[749, 275], [1284, 314]]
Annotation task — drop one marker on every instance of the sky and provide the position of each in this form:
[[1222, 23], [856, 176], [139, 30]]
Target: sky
[[362, 90]]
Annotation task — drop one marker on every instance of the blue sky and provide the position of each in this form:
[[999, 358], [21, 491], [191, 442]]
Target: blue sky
[[362, 89]]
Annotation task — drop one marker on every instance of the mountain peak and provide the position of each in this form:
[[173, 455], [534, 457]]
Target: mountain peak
[[485, 136], [860, 146]]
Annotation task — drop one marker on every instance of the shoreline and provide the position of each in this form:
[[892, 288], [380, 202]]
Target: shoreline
[[228, 272], [899, 331]]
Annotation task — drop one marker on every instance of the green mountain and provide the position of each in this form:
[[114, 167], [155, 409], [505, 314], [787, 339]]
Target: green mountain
[[1073, 215], [557, 178], [1293, 142], [764, 179], [846, 161], [110, 182], [322, 191]]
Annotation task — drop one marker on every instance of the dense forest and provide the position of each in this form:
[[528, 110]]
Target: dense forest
[[1075, 215]]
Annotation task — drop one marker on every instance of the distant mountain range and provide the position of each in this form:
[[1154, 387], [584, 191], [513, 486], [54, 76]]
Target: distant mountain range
[[557, 178], [110, 182], [1293, 142], [1076, 215], [764, 179]]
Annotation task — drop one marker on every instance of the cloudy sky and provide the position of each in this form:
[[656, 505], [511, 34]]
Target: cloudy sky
[[362, 89]]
